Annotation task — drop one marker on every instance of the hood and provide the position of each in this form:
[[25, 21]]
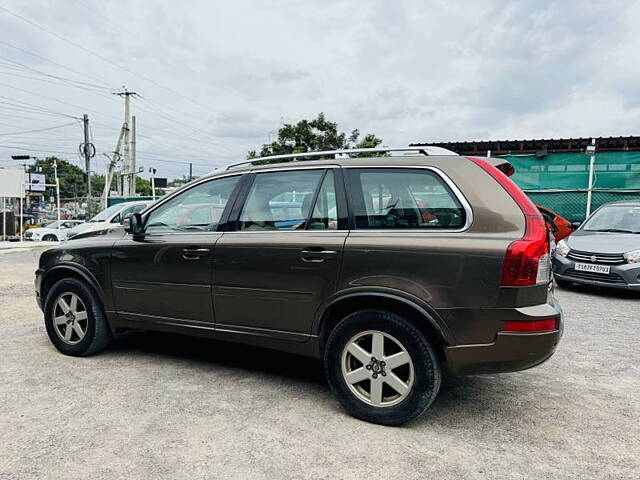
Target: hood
[[89, 227], [114, 230], [603, 242]]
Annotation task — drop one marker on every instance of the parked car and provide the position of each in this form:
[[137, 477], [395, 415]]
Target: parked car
[[108, 218], [392, 270], [50, 231], [604, 251], [560, 227]]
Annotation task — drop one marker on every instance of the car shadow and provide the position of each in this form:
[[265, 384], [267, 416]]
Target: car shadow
[[460, 396], [227, 354]]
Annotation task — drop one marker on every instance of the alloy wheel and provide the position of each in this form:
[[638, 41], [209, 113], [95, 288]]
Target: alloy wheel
[[70, 320], [377, 368]]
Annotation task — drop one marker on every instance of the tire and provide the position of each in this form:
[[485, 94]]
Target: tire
[[90, 319], [563, 283], [423, 373], [49, 238]]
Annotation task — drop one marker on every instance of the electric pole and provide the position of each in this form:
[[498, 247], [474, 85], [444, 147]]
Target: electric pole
[[134, 167], [88, 150], [124, 187]]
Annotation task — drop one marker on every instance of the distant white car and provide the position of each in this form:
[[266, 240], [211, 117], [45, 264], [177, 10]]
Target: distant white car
[[109, 217], [50, 231]]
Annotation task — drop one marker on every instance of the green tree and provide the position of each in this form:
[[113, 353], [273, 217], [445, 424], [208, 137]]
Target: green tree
[[72, 179], [312, 136]]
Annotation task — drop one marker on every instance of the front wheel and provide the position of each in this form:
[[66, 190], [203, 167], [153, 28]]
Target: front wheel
[[381, 367], [74, 319], [49, 238]]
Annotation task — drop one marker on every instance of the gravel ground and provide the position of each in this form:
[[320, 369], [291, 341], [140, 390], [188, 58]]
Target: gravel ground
[[159, 406]]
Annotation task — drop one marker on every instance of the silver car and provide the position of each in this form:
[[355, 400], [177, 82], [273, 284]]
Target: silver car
[[604, 251], [109, 217]]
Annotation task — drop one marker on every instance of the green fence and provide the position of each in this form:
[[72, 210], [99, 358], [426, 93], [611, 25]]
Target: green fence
[[559, 181]]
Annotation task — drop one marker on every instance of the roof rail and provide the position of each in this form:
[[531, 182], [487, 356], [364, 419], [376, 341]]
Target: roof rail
[[424, 150]]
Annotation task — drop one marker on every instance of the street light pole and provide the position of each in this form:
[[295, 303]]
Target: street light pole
[[591, 151]]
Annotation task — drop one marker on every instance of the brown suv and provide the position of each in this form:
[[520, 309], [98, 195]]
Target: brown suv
[[392, 270]]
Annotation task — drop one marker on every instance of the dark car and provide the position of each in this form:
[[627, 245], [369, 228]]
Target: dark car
[[604, 251], [392, 270]]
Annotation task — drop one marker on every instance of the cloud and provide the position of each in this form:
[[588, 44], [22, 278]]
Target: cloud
[[217, 79]]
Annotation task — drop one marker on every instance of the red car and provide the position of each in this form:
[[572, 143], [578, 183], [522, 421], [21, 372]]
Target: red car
[[560, 227]]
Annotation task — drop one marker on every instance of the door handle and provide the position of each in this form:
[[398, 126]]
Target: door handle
[[316, 255], [194, 253]]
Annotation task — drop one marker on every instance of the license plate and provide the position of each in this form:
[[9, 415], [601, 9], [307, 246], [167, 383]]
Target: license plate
[[589, 267]]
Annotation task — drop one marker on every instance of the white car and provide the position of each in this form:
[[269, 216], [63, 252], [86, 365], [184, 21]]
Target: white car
[[109, 217], [50, 232]]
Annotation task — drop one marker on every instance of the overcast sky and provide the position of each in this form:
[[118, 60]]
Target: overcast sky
[[217, 78]]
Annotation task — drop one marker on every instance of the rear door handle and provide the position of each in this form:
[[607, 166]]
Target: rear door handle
[[317, 255], [194, 253]]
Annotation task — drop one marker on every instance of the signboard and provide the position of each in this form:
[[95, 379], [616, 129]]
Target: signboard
[[160, 182], [35, 182], [11, 180]]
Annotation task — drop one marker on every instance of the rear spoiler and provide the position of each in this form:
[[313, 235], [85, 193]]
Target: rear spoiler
[[501, 164]]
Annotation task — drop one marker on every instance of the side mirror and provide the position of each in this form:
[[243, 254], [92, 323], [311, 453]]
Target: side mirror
[[133, 224], [575, 225]]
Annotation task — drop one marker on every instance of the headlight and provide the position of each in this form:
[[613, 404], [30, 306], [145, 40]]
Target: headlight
[[633, 256], [562, 248]]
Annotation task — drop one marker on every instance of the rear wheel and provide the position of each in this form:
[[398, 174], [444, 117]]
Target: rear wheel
[[381, 367], [74, 319]]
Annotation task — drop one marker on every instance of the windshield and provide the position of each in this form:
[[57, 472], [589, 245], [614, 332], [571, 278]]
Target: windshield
[[51, 225], [615, 218], [106, 214]]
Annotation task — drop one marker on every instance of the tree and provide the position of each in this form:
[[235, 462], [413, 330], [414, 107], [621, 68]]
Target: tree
[[314, 135], [73, 181]]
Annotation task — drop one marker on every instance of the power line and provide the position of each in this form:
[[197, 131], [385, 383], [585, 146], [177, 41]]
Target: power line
[[101, 57], [39, 129]]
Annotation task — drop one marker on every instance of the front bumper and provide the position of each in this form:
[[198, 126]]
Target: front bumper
[[510, 351], [38, 287], [624, 276]]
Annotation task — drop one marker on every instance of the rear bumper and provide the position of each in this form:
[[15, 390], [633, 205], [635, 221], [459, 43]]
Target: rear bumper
[[510, 351]]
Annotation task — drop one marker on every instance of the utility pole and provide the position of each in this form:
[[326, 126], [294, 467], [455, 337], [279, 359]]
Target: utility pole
[[126, 170], [190, 171], [152, 171], [88, 150], [134, 167]]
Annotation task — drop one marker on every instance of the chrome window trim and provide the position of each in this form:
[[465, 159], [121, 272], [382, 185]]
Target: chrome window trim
[[445, 178]]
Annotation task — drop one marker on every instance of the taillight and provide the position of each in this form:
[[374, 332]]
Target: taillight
[[531, 326], [526, 261]]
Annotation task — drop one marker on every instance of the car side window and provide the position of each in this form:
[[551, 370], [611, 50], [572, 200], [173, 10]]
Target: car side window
[[280, 200], [403, 198], [325, 211], [198, 209]]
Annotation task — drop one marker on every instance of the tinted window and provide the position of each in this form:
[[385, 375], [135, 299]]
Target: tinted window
[[280, 200], [198, 209], [400, 198]]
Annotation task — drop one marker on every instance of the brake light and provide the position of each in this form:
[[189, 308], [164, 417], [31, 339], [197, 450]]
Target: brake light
[[531, 326], [526, 261]]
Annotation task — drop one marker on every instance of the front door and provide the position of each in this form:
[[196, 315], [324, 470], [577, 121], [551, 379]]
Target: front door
[[165, 277], [282, 259]]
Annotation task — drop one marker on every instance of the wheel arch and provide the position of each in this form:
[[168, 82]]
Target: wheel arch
[[423, 317], [63, 271]]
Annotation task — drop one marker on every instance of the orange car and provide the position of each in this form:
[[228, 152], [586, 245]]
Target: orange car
[[560, 227]]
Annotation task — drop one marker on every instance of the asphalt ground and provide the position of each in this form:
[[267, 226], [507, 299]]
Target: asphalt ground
[[162, 406]]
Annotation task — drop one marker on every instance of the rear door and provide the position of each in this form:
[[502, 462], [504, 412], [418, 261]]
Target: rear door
[[282, 259], [165, 277]]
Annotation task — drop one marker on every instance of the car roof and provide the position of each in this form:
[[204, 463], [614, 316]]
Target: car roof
[[623, 203], [379, 161]]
